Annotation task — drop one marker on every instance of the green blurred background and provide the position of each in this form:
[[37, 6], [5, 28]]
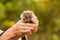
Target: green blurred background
[[47, 11]]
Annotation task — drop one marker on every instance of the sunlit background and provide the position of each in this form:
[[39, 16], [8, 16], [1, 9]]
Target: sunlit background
[[47, 11]]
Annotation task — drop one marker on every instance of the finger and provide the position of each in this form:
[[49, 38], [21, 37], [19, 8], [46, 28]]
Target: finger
[[34, 30], [20, 21], [26, 28], [27, 24], [26, 32], [34, 20]]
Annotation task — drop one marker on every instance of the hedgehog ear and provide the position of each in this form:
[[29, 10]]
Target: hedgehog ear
[[21, 16]]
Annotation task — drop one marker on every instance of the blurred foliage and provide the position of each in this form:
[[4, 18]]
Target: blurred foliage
[[47, 11]]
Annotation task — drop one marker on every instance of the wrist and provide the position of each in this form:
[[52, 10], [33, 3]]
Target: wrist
[[6, 36], [1, 32], [9, 35]]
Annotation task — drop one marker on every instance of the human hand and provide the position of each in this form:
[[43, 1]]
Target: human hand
[[20, 29]]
